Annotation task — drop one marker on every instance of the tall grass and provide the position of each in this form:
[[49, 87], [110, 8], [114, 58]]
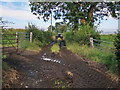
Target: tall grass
[[95, 54], [109, 38], [29, 46]]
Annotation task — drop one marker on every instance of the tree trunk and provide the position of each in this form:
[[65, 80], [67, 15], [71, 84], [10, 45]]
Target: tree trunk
[[76, 23], [90, 12], [76, 19]]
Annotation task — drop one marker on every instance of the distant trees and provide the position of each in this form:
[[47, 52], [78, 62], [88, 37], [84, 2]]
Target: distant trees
[[3, 23]]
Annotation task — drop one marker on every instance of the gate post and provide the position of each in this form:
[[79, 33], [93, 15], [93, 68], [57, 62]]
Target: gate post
[[31, 37], [91, 41], [17, 41], [1, 59]]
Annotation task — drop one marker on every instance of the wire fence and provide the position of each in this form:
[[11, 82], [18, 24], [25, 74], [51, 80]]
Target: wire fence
[[103, 45]]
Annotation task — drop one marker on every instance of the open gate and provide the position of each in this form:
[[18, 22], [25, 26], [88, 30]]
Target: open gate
[[11, 43]]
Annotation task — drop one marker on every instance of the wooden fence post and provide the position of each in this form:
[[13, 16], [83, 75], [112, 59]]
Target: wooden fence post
[[30, 37], [91, 41], [17, 41], [16, 38], [0, 59]]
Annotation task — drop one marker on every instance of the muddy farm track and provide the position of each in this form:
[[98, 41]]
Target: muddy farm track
[[53, 70]]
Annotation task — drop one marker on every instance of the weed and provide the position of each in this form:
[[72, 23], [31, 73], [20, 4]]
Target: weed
[[62, 84]]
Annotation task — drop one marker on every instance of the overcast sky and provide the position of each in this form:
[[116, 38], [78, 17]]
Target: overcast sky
[[20, 14]]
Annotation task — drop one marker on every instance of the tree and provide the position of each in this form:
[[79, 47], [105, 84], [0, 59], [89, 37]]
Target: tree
[[53, 28], [73, 12], [61, 27], [117, 50], [3, 23]]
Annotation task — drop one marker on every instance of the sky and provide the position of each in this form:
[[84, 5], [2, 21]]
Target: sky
[[18, 12]]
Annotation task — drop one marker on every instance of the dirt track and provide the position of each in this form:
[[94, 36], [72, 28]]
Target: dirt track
[[74, 71]]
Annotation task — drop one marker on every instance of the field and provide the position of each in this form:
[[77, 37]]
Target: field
[[108, 38], [108, 44]]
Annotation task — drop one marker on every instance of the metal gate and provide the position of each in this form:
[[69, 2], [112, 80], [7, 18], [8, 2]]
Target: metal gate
[[11, 43], [23, 39]]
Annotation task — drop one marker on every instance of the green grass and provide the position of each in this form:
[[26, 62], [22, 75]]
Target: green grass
[[95, 54], [108, 38], [55, 48], [30, 46]]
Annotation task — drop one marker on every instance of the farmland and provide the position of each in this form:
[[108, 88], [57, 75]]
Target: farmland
[[31, 54], [107, 38], [59, 44]]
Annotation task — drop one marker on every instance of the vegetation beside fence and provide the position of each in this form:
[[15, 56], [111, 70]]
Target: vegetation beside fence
[[81, 45], [40, 37], [108, 38], [117, 50], [83, 35], [95, 54]]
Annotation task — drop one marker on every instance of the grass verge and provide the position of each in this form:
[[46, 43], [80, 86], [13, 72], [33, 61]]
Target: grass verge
[[95, 54], [30, 46]]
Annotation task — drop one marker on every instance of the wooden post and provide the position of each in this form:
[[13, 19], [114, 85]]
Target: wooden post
[[91, 41], [0, 59], [51, 22], [30, 37], [17, 41], [16, 38]]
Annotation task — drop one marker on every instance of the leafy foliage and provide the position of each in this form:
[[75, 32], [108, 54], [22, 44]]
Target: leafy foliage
[[40, 36], [82, 36], [53, 28], [117, 52], [73, 12], [69, 36], [61, 27]]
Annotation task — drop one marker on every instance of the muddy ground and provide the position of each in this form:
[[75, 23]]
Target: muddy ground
[[60, 70]]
